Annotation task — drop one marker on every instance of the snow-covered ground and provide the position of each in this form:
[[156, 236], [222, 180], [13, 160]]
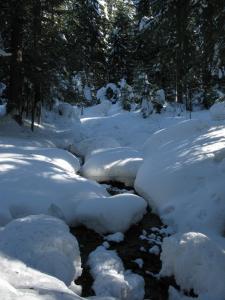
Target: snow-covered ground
[[177, 168]]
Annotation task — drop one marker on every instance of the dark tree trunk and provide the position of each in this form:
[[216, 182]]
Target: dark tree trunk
[[36, 58], [16, 65]]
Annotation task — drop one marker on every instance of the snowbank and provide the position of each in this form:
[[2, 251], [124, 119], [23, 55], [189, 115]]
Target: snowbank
[[217, 111], [182, 178], [98, 110], [44, 181], [88, 145], [41, 181], [110, 278], [118, 164], [111, 214]]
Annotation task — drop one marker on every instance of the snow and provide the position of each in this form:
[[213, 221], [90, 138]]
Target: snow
[[198, 262], [42, 180], [110, 278], [129, 129], [102, 93], [2, 110], [182, 179], [180, 170], [3, 53], [34, 252], [111, 214], [89, 145], [43, 243], [218, 111], [87, 93], [116, 237], [116, 164], [139, 262], [67, 110], [154, 250], [101, 109]]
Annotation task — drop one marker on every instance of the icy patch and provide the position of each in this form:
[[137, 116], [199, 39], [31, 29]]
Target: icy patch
[[118, 164], [110, 278]]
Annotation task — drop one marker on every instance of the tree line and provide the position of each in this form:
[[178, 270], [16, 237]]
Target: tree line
[[179, 45]]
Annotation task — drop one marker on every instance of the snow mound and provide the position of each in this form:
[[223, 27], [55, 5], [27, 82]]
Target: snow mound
[[206, 269], [187, 160], [110, 278], [182, 178], [32, 249], [41, 181], [217, 111], [118, 164], [67, 110], [111, 214], [87, 146], [43, 243]]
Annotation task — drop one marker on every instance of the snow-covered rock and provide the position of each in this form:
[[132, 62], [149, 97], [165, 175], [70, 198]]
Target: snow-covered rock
[[217, 111], [198, 263], [110, 278], [111, 214], [118, 164], [38, 257], [43, 243], [115, 237]]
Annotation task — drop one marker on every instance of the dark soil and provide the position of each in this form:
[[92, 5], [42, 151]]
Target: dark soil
[[128, 251]]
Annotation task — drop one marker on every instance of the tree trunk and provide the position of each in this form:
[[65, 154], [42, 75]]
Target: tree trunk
[[16, 65], [36, 58]]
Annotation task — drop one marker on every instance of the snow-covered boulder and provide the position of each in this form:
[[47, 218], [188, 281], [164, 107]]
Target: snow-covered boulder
[[110, 278], [111, 214], [43, 243], [38, 257], [118, 164], [197, 262], [87, 146], [41, 181], [217, 111]]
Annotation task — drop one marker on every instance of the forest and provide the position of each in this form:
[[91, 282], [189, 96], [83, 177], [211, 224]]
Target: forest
[[178, 45], [112, 149]]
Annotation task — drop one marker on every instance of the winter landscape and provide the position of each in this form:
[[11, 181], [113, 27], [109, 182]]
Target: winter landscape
[[112, 157]]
